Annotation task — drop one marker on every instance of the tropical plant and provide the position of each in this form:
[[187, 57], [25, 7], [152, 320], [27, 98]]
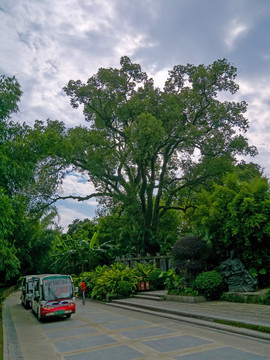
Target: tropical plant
[[111, 281], [144, 270], [155, 281], [80, 254]]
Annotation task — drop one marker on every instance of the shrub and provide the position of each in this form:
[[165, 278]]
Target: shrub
[[124, 288], [156, 282], [190, 247], [209, 284], [176, 284], [144, 270], [189, 255], [107, 279], [171, 280], [266, 298]]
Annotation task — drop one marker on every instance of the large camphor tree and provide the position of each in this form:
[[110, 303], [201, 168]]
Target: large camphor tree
[[145, 149]]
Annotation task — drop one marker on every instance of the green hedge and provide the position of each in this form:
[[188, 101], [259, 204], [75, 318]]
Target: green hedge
[[209, 284]]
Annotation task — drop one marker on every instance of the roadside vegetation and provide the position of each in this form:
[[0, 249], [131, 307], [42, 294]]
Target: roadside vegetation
[[163, 165]]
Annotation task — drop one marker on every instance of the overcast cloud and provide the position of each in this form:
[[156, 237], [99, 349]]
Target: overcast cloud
[[47, 43]]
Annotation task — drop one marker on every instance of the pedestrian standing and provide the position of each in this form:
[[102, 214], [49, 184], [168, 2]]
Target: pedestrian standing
[[83, 291]]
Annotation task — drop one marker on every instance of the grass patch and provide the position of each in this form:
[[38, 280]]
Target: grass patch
[[264, 329]]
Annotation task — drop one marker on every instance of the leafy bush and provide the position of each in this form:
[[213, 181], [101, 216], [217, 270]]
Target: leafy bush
[[125, 288], [176, 284], [144, 270], [189, 255], [171, 280], [189, 247], [156, 282], [266, 298], [209, 284], [109, 280]]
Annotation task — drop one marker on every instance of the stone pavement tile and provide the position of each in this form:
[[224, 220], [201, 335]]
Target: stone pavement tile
[[83, 343], [53, 324], [175, 343], [125, 324], [101, 318], [226, 353], [122, 352], [147, 332], [70, 332]]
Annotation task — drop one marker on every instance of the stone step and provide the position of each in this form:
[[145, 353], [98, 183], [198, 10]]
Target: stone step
[[201, 320], [148, 297]]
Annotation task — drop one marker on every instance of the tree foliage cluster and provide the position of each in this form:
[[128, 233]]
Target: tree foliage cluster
[[147, 150], [24, 233], [158, 159], [235, 216]]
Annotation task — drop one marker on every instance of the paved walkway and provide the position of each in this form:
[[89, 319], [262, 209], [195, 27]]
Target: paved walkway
[[102, 332], [205, 312]]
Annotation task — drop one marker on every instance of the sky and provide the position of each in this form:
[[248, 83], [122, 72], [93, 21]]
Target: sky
[[46, 43]]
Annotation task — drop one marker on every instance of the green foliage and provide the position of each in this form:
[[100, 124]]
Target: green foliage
[[76, 254], [125, 288], [209, 284], [79, 228], [140, 138], [155, 281], [9, 262], [190, 247], [144, 270], [10, 94], [176, 284], [168, 230], [115, 279], [189, 254], [266, 298], [236, 216], [23, 225], [171, 279]]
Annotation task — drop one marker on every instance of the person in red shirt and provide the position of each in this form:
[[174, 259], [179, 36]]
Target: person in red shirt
[[83, 292]]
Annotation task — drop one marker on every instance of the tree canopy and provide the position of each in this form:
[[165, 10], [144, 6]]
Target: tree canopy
[[235, 216], [145, 149], [23, 225]]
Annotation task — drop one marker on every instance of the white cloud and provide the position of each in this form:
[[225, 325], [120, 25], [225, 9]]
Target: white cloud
[[257, 95], [47, 43], [129, 43], [159, 77], [234, 31], [76, 184]]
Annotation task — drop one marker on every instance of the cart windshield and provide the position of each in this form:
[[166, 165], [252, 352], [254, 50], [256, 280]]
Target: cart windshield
[[57, 288]]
